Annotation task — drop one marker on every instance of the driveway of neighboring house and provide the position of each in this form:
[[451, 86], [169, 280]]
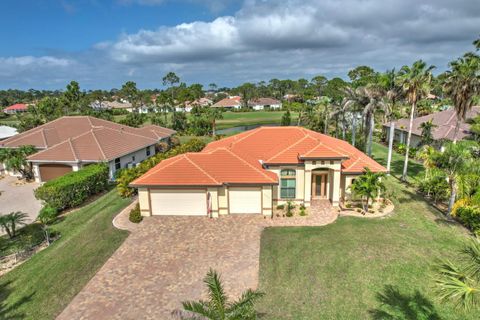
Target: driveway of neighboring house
[[164, 260], [15, 196]]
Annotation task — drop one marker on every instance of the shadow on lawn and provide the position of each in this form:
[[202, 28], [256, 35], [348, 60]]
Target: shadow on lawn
[[11, 311], [395, 305]]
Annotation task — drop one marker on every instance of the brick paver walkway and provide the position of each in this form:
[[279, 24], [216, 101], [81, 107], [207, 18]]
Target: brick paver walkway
[[165, 259]]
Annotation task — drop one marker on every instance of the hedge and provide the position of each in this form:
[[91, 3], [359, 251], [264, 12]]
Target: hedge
[[126, 176], [74, 188]]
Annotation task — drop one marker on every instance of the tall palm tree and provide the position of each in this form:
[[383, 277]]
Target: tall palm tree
[[462, 84], [415, 82], [374, 95], [214, 114], [354, 102], [218, 307], [459, 281], [427, 134]]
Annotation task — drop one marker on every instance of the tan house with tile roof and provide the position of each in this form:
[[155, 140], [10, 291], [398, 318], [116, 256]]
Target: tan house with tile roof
[[444, 121], [253, 171], [69, 143]]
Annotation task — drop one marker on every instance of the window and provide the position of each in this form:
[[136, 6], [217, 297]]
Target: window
[[117, 164], [287, 184], [133, 158], [148, 151]]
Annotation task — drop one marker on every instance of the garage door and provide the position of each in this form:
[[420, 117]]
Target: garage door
[[52, 171], [179, 202], [245, 200]]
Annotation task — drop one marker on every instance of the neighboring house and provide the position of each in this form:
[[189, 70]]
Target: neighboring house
[[264, 104], [69, 143], [444, 121], [229, 103], [118, 105], [252, 172], [16, 108], [189, 105]]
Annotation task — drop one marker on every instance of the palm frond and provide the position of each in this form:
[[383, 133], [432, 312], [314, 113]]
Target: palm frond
[[194, 310], [471, 255], [243, 307], [216, 293]]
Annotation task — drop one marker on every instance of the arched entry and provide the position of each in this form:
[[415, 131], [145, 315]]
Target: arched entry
[[320, 184]]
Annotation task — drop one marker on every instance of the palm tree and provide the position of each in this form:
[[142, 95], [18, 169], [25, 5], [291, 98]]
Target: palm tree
[[374, 94], [415, 82], [46, 217], [427, 135], [218, 306], [426, 154], [455, 160], [462, 84], [368, 186], [214, 114], [11, 221], [459, 281]]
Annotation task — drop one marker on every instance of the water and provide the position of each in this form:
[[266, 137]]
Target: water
[[233, 130]]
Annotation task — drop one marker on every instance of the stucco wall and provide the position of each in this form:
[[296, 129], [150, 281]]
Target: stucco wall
[[144, 200], [139, 155], [222, 200], [267, 200]]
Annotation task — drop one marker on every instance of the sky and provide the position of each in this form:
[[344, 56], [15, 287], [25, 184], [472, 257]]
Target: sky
[[104, 43]]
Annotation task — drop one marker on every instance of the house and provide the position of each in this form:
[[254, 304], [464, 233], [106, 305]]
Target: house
[[229, 103], [118, 105], [252, 172], [189, 105], [16, 108], [444, 121], [264, 104], [70, 143]]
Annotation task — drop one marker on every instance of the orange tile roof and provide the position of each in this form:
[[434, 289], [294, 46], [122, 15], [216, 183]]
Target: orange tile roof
[[240, 159], [18, 106], [84, 138]]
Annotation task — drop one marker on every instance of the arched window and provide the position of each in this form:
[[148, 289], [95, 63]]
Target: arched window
[[287, 184]]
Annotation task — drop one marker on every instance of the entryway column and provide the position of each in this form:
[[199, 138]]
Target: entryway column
[[308, 188], [336, 188]]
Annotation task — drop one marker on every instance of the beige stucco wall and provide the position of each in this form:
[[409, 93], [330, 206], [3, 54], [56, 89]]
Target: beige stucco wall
[[222, 200], [347, 182], [267, 200], [144, 200], [300, 185], [214, 201]]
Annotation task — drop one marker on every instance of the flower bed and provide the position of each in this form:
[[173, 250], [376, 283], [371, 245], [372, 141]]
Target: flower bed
[[379, 208]]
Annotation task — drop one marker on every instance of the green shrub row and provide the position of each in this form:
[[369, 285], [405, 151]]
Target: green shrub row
[[469, 216], [74, 188], [126, 176]]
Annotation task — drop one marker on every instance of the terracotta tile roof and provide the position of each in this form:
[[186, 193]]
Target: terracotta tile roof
[[445, 122], [84, 138], [17, 106], [240, 159]]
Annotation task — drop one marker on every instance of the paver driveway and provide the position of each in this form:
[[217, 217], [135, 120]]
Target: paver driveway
[[165, 259]]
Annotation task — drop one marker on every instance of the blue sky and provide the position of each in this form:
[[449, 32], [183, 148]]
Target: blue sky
[[102, 44]]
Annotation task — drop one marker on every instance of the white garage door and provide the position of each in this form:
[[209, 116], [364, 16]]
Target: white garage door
[[245, 200], [179, 202]]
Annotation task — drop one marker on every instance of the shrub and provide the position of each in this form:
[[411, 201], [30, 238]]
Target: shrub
[[74, 188], [469, 216], [135, 215], [281, 207], [302, 211], [126, 176], [290, 207], [48, 211], [436, 186]]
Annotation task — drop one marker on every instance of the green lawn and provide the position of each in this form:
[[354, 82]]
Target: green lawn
[[43, 286], [380, 154], [235, 119], [340, 270]]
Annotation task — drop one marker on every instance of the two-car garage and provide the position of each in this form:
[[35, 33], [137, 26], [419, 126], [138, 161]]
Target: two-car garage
[[195, 202]]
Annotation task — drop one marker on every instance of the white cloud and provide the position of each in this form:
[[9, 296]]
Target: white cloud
[[26, 61]]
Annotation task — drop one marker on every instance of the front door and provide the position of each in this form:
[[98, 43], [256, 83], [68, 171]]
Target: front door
[[320, 185]]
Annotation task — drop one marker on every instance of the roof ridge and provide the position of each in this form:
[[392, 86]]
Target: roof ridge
[[250, 165], [126, 132], [27, 133], [201, 169], [44, 137], [73, 149], [284, 150], [98, 144]]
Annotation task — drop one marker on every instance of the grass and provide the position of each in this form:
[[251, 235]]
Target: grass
[[360, 268], [380, 154], [27, 237], [235, 119], [43, 286]]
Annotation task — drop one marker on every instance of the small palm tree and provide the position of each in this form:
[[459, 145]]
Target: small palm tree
[[214, 114], [368, 186], [415, 82], [218, 307], [11, 221], [459, 282], [427, 132], [47, 216]]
